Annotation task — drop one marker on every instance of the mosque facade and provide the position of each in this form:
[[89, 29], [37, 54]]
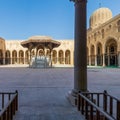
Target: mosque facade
[[103, 44]]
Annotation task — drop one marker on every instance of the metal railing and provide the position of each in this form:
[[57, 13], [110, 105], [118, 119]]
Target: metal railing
[[9, 105], [98, 106]]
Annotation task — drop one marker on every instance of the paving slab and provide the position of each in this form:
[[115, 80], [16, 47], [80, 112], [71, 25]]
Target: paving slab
[[42, 92]]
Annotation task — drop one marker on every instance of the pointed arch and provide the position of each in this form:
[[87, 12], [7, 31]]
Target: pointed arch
[[14, 57], [92, 53], [61, 56], [54, 56], [41, 52], [21, 57], [7, 57], [99, 54], [111, 52], [1, 56], [67, 57], [26, 57]]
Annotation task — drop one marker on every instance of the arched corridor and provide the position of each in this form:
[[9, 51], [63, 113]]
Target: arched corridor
[[21, 57], [1, 57], [54, 56], [7, 57], [61, 57], [111, 53], [14, 57], [99, 54], [92, 51], [67, 57]]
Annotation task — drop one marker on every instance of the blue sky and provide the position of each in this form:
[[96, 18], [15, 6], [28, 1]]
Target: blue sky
[[21, 19]]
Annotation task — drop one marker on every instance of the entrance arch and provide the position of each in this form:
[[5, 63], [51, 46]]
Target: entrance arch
[[111, 53], [99, 54]]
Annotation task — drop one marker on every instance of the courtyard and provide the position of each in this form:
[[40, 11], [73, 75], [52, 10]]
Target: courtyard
[[43, 92]]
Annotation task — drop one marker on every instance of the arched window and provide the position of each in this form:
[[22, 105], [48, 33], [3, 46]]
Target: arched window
[[103, 33], [118, 24]]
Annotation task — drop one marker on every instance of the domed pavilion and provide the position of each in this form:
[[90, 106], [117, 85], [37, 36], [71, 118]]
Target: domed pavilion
[[43, 45]]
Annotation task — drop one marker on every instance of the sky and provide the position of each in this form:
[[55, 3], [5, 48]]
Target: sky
[[21, 19]]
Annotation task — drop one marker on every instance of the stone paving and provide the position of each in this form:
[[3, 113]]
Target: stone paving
[[42, 92]]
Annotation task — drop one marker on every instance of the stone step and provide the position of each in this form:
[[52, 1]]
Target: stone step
[[49, 117]]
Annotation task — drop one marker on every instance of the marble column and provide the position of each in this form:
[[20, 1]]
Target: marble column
[[80, 57]]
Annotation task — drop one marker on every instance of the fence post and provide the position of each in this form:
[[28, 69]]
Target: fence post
[[105, 101], [86, 110], [16, 100], [111, 106], [82, 106], [118, 110], [2, 100], [78, 102]]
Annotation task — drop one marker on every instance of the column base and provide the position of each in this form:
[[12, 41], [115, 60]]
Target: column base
[[72, 97]]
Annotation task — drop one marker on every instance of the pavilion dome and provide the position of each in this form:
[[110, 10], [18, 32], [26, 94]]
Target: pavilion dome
[[99, 17], [40, 38], [2, 39]]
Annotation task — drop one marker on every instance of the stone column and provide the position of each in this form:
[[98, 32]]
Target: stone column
[[4, 58], [11, 60], [80, 65], [80, 58], [118, 58], [72, 57], [89, 60], [104, 59], [95, 60], [24, 57]]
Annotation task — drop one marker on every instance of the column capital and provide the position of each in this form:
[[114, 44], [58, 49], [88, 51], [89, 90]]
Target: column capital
[[76, 1]]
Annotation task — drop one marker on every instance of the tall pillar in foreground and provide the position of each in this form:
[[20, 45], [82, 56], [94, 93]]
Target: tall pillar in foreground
[[80, 57]]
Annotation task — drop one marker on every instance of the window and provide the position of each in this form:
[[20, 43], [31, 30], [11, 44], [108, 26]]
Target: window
[[102, 33], [118, 24]]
